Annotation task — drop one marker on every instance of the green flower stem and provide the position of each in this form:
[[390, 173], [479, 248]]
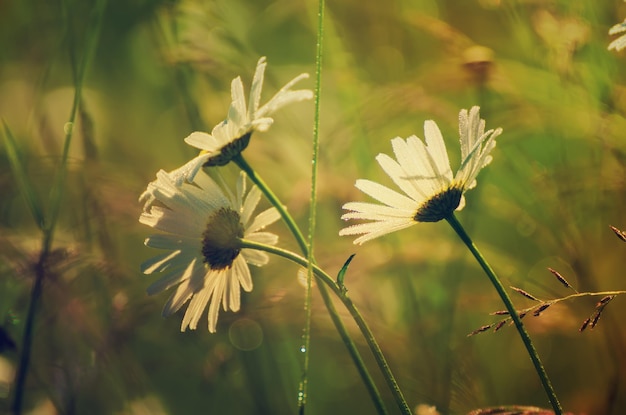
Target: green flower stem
[[306, 338], [532, 352], [356, 315], [343, 332], [354, 352], [273, 199]]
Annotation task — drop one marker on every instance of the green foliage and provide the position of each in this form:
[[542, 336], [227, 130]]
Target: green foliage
[[163, 69], [341, 275]]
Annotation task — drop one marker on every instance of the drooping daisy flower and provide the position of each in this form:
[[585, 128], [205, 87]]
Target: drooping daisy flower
[[177, 176], [619, 43], [204, 262], [422, 171], [231, 136]]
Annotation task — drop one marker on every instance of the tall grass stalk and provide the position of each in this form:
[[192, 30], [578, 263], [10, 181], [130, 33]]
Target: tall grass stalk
[[302, 244], [354, 312], [47, 221], [19, 171], [342, 294], [306, 340], [532, 352]]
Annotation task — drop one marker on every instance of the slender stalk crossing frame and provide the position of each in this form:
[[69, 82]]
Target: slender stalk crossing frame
[[56, 195], [356, 315], [532, 352], [354, 312], [303, 389], [343, 332]]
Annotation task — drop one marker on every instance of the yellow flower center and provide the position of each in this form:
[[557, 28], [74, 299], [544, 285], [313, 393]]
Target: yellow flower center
[[220, 239], [439, 206]]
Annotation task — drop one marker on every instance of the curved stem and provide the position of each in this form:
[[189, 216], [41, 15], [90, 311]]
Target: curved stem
[[586, 294], [273, 199], [343, 332], [354, 312], [354, 352], [356, 315], [532, 352]]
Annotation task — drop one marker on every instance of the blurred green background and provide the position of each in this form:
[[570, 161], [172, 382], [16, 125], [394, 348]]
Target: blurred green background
[[162, 69]]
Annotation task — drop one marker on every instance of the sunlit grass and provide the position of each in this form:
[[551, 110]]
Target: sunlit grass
[[555, 185]]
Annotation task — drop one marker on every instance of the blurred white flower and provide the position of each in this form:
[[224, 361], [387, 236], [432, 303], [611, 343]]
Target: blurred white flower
[[619, 43], [422, 171], [423, 409], [204, 261]]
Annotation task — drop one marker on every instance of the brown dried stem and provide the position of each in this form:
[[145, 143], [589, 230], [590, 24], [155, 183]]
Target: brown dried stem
[[542, 305]]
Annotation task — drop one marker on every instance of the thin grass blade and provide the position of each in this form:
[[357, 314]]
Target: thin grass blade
[[17, 166]]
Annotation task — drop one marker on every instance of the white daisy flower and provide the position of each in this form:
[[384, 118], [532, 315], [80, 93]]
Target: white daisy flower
[[177, 176], [231, 136], [422, 171], [204, 262], [619, 43]]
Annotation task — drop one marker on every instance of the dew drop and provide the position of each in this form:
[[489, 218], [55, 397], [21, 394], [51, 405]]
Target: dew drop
[[303, 349]]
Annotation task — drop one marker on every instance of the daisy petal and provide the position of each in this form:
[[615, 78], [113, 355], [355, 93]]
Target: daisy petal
[[229, 137], [199, 219], [263, 238], [242, 272], [437, 150], [196, 307], [421, 169], [159, 263], [254, 257], [360, 208], [214, 305], [385, 195], [202, 141], [175, 277], [373, 230], [263, 219], [255, 90]]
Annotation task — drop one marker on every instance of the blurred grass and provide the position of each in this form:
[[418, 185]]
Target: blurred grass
[[554, 187]]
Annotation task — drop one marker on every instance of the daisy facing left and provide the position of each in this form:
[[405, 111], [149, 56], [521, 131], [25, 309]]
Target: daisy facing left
[[202, 225], [422, 171], [231, 136]]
